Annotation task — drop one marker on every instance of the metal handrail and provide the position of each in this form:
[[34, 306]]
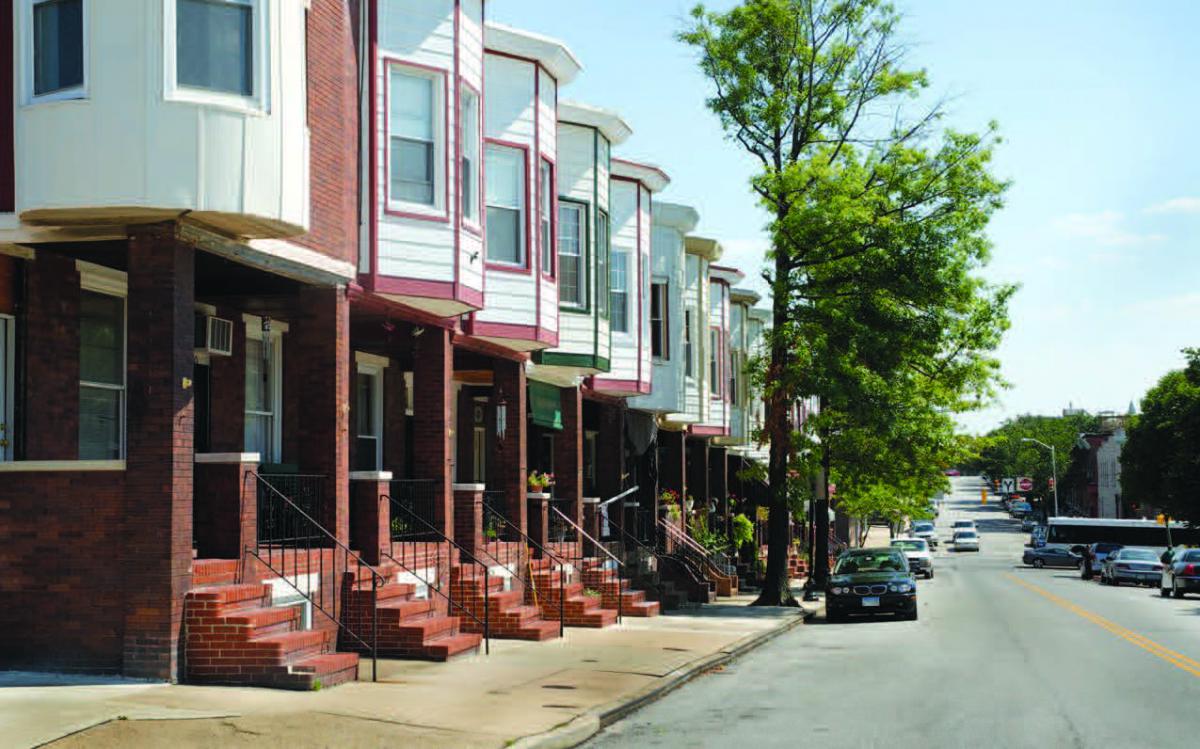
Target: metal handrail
[[318, 600], [690, 544], [623, 494], [503, 522], [646, 549], [584, 534], [463, 556]]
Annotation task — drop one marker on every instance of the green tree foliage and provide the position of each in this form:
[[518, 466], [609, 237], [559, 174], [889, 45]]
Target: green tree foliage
[[1003, 452], [876, 232], [1160, 463]]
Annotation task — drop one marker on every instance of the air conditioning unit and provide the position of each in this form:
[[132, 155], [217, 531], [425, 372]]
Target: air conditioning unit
[[214, 335]]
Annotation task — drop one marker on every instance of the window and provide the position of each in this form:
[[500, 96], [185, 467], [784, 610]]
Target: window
[[716, 300], [660, 333], [714, 361], [735, 397], [572, 280], [368, 413], [214, 45], [412, 100], [602, 256], [505, 205], [264, 393], [58, 48], [546, 227], [469, 117], [101, 376], [689, 353], [619, 289]]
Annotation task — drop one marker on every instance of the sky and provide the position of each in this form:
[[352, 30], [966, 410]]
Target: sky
[[1097, 104]]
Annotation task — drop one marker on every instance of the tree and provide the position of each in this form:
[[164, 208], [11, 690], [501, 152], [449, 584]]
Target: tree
[[1005, 453], [1160, 463], [875, 230]]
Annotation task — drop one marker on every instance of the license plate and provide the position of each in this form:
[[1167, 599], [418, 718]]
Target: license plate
[[871, 601]]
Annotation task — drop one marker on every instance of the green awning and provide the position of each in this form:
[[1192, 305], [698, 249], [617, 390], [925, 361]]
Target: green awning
[[545, 405]]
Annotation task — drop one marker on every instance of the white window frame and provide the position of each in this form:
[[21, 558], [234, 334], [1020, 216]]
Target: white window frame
[[254, 332], [523, 259], [99, 279], [373, 366], [259, 101], [438, 209], [581, 300], [472, 151], [27, 58], [613, 291]]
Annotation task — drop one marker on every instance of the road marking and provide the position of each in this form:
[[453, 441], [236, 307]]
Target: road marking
[[1145, 643]]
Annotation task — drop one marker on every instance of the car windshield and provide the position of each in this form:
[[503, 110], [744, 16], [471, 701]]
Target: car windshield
[[909, 545], [878, 561], [1139, 555], [964, 523], [967, 535], [922, 527]]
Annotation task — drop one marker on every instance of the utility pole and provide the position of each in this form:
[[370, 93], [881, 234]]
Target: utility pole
[[1053, 468]]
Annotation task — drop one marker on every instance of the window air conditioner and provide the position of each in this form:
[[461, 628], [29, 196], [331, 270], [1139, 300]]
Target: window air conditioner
[[214, 335]]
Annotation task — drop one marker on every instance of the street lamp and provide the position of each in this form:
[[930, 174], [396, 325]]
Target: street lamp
[[1053, 468]]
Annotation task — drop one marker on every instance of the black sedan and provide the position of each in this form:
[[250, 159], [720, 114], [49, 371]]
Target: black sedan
[[1181, 572], [1051, 555], [871, 581]]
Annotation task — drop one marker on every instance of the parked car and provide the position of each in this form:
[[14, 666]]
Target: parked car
[[1132, 564], [1028, 523], [926, 531], [962, 525], [1099, 552], [916, 551], [1020, 509], [1054, 555], [871, 581], [1181, 572], [966, 540]]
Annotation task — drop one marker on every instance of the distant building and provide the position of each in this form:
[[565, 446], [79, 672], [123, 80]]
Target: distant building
[[1108, 475]]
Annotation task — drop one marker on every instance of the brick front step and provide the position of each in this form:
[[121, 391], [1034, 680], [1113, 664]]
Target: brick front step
[[508, 615], [214, 572]]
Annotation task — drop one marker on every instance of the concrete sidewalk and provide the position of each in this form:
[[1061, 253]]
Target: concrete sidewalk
[[538, 694]]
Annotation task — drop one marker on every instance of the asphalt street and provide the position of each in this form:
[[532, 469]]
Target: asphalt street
[[1003, 656]]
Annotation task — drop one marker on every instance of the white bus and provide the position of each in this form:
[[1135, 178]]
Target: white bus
[[1083, 531]]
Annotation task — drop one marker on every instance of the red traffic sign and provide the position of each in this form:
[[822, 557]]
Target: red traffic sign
[[1051, 483], [1025, 484]]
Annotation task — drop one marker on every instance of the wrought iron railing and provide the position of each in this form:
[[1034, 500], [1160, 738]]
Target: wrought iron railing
[[418, 498], [576, 558], [561, 529], [306, 491], [634, 553], [305, 546], [691, 549], [434, 540], [513, 550]]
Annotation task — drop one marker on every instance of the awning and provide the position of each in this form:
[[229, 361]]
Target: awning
[[545, 405]]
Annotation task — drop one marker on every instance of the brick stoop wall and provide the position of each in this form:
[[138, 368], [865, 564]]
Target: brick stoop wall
[[578, 608], [234, 636], [408, 627], [617, 593], [509, 617]]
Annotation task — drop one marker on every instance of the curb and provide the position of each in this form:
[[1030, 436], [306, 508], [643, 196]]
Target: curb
[[583, 727]]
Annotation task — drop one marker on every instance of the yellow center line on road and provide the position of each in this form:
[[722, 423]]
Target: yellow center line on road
[[1170, 656]]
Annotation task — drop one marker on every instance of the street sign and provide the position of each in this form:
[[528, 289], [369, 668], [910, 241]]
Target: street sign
[[1008, 485], [1025, 484], [1051, 483]]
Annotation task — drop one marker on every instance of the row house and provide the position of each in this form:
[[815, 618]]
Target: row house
[[298, 303]]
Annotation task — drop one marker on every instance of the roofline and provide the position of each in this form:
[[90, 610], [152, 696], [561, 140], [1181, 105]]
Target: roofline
[[650, 175], [554, 55], [709, 249], [607, 121], [684, 218]]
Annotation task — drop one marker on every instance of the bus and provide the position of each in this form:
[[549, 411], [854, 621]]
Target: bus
[[1083, 531]]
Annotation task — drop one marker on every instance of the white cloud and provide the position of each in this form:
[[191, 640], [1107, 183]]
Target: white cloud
[[1176, 205], [1103, 228]]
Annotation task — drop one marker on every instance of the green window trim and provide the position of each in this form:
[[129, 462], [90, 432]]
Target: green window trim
[[586, 262], [545, 405]]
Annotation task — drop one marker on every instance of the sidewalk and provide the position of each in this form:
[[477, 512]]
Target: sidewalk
[[521, 691]]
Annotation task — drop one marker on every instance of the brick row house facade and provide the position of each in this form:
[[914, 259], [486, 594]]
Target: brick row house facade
[[295, 299]]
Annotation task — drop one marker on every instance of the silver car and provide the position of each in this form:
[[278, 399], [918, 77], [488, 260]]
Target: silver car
[[1132, 564]]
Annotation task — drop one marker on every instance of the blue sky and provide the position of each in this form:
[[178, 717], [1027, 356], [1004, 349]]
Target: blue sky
[[1097, 102]]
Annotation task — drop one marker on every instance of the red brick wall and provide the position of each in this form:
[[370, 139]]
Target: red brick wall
[[568, 456], [433, 366], [62, 583], [51, 376], [508, 461], [332, 121], [395, 401]]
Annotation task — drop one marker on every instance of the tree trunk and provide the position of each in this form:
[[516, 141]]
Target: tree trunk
[[821, 553]]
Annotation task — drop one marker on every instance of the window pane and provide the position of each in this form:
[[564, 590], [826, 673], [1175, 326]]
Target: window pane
[[412, 171], [257, 389], [503, 235], [57, 45], [470, 154], [410, 102], [602, 252], [99, 423], [570, 245], [618, 283], [258, 436], [214, 46], [365, 405], [545, 238], [658, 320], [101, 338], [365, 454]]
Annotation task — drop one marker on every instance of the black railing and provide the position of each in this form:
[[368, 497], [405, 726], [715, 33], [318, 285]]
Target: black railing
[[418, 498], [513, 550], [562, 530], [691, 550], [579, 561], [495, 499], [304, 549], [305, 491], [634, 554], [433, 540]]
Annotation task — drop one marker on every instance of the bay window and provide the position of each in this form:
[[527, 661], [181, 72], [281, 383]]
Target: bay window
[[505, 205], [412, 143], [469, 119], [101, 376], [58, 48], [572, 277], [619, 291]]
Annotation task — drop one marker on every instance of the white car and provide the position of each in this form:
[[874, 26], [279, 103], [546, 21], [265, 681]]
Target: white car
[[916, 551], [966, 540], [926, 531]]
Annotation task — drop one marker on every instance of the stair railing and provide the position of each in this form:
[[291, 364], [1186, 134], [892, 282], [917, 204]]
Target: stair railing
[[507, 531], [691, 548], [412, 526], [626, 540], [581, 534], [303, 538]]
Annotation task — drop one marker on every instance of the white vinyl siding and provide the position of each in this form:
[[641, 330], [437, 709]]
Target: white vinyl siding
[[505, 205]]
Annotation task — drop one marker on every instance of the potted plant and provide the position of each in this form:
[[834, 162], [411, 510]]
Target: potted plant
[[669, 503], [538, 482]]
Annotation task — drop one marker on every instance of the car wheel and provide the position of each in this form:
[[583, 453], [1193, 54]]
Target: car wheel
[[1039, 563], [930, 575], [1175, 591], [1164, 592]]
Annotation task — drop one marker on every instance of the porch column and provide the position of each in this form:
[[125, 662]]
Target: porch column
[[226, 515], [433, 412], [509, 464], [319, 370], [568, 456], [468, 516], [610, 451], [697, 475], [370, 513], [718, 485], [538, 504], [157, 539]]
